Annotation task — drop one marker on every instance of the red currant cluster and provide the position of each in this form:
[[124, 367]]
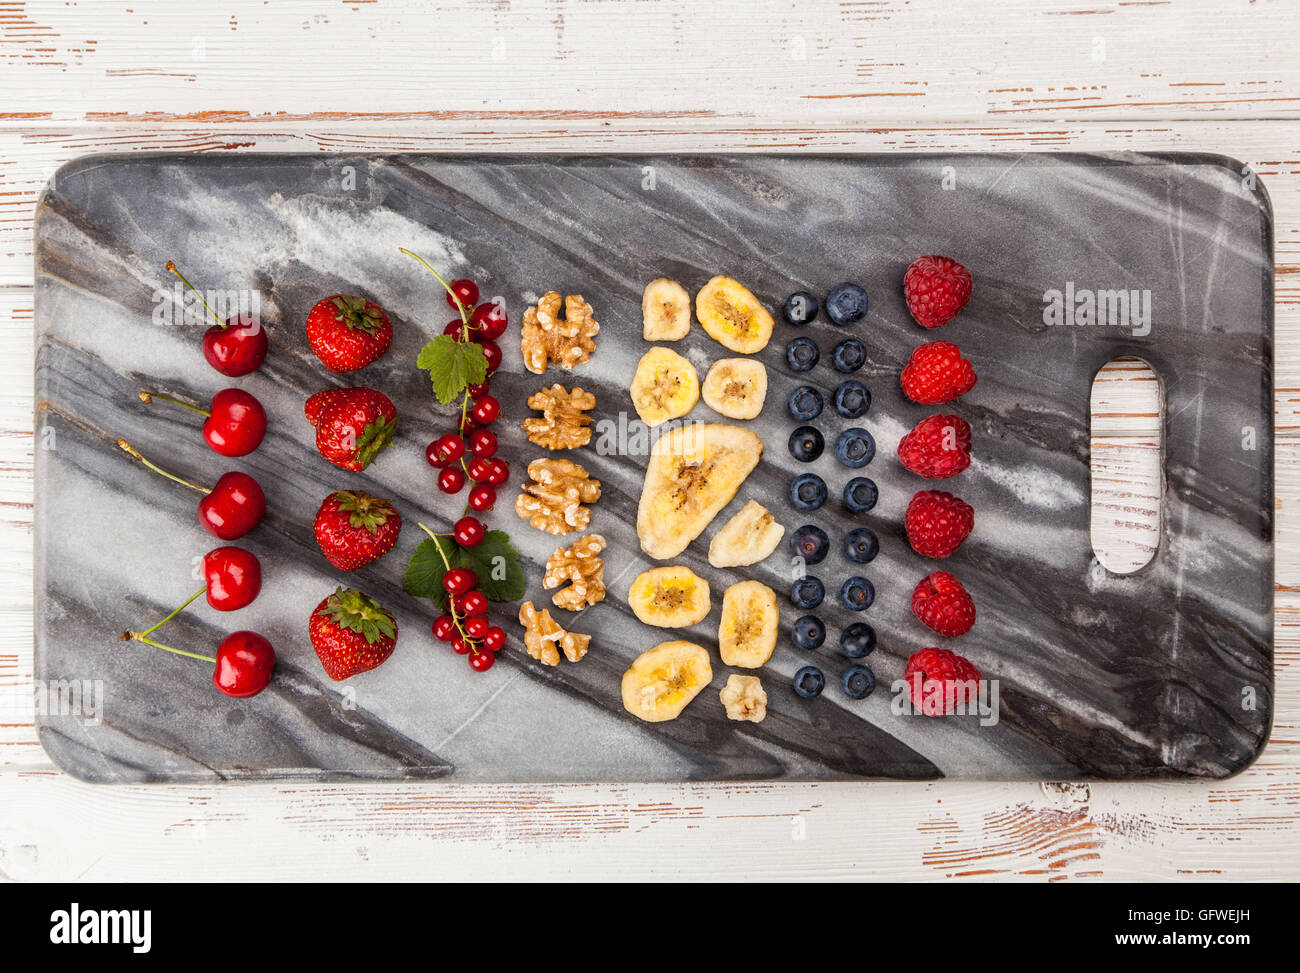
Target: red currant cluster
[[468, 453], [465, 625]]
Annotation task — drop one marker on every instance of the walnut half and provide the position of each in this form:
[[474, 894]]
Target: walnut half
[[744, 698], [545, 640], [582, 567], [564, 421], [546, 338], [552, 499]]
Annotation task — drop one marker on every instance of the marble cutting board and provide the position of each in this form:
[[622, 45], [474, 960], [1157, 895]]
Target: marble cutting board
[[1162, 674]]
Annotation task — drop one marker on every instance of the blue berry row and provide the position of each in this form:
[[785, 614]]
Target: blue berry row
[[852, 400], [808, 492]]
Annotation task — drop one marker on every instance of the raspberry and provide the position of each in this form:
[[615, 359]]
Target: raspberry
[[937, 523], [936, 288], [942, 604], [937, 447], [938, 680], [937, 373]]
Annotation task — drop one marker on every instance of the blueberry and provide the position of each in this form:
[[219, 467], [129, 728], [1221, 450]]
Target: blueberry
[[846, 303], [857, 594], [857, 640], [860, 494], [806, 444], [854, 447], [852, 399], [801, 354], [850, 355], [801, 308], [809, 682], [861, 545], [808, 632], [810, 543], [858, 682], [807, 592], [807, 491], [805, 403]]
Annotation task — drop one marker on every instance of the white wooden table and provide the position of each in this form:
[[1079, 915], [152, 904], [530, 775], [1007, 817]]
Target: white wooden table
[[861, 75]]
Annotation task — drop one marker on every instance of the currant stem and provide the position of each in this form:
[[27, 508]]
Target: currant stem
[[451, 604], [194, 290], [464, 314], [126, 447], [148, 397]]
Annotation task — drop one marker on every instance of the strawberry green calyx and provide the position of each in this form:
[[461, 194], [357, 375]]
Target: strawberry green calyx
[[376, 436], [358, 314], [364, 511], [349, 609]]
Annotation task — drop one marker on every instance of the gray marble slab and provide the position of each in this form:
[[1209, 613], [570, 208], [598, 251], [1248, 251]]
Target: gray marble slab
[[1101, 676]]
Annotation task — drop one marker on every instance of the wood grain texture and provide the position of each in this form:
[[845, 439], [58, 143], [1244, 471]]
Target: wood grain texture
[[878, 77]]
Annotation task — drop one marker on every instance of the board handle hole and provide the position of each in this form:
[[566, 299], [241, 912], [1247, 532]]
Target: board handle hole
[[1127, 421]]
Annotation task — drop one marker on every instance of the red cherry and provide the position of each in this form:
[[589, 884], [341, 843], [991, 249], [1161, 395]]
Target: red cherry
[[498, 472], [494, 639], [233, 507], [492, 352], [234, 578], [477, 389], [237, 423], [245, 661], [483, 442], [476, 627], [481, 661], [451, 479], [448, 448], [457, 581], [471, 603], [459, 645], [444, 627], [490, 319], [486, 410], [469, 532], [236, 347], [466, 290], [482, 497], [478, 469]]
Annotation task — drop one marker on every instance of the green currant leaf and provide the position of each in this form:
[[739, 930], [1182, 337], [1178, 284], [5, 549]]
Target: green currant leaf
[[452, 365], [496, 562], [424, 571]]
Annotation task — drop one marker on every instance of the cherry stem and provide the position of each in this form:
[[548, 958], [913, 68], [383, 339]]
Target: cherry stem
[[148, 397], [126, 447], [185, 604], [144, 636], [464, 313], [194, 290]]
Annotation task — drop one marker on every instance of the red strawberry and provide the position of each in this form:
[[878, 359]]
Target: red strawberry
[[938, 681], [937, 447], [937, 373], [348, 332], [352, 425], [937, 523], [942, 604], [936, 288], [351, 633], [353, 528]]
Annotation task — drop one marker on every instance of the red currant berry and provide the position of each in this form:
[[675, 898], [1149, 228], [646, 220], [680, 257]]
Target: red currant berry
[[476, 627], [444, 627], [451, 479], [456, 330], [459, 646], [494, 639], [483, 442], [482, 497], [498, 472], [448, 448], [431, 455], [477, 389], [469, 532], [466, 290], [486, 410], [471, 603], [457, 581], [492, 352], [479, 469], [467, 423], [490, 319], [481, 661]]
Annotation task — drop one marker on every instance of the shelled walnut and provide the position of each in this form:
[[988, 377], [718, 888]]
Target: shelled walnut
[[545, 640], [744, 698], [564, 421], [581, 566], [546, 338], [552, 500]]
